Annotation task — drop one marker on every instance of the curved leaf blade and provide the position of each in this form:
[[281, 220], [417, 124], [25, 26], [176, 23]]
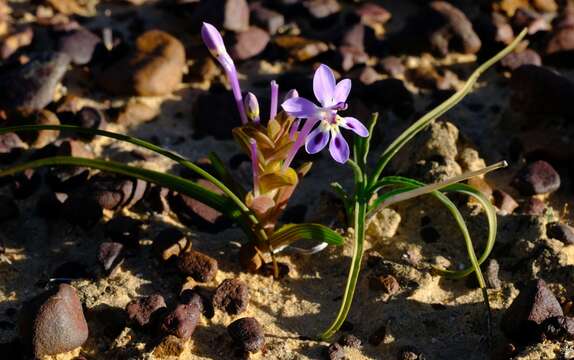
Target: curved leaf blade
[[290, 233]]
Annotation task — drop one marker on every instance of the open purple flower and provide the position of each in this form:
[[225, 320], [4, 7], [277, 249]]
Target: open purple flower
[[333, 97]]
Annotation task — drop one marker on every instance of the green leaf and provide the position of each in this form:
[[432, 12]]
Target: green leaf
[[290, 233], [173, 182], [424, 121]]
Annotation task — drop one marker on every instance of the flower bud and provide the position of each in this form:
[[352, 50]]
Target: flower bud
[[252, 107]]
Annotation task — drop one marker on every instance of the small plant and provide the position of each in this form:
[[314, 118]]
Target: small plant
[[272, 146]]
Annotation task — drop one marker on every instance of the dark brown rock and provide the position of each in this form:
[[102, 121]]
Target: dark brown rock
[[515, 59], [170, 243], [90, 118], [32, 85], [155, 67], [232, 296], [232, 15], [560, 231], [533, 206], [199, 266], [124, 229], [144, 310], [113, 192], [247, 333], [109, 256], [538, 177], [504, 202], [60, 325], [249, 43], [458, 26], [79, 45], [386, 283], [534, 304], [181, 321], [201, 296]]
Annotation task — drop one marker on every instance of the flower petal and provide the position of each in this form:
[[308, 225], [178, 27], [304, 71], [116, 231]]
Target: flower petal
[[338, 147], [342, 91], [212, 39], [299, 107], [317, 140], [324, 85], [354, 125]]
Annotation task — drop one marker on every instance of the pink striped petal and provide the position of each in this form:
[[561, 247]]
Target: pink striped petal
[[354, 125], [338, 147], [324, 85], [317, 140]]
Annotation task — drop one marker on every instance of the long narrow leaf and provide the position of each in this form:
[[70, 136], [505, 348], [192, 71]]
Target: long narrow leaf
[[293, 232], [424, 121]]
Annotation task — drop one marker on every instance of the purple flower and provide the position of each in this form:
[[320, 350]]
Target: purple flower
[[333, 97], [214, 42], [252, 107]]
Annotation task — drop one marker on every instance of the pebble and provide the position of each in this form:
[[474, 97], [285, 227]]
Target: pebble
[[352, 49], [232, 296], [386, 283], [504, 202], [113, 192], [349, 340], [268, 19], [559, 328], [456, 25], [154, 68], [492, 279], [248, 334], [562, 39], [201, 296], [79, 45], [300, 48], [232, 15], [90, 118], [410, 353], [393, 66], [109, 256], [82, 210], [181, 321], [249, 43], [503, 32], [533, 206], [170, 243], [335, 351], [560, 231], [60, 325], [374, 16], [539, 90], [19, 37], [199, 266], [124, 229], [45, 137], [192, 211], [143, 310], [11, 147], [534, 304], [32, 85], [322, 8], [515, 59], [538, 177], [249, 258], [530, 19]]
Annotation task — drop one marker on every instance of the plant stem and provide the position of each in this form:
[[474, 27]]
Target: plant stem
[[359, 239]]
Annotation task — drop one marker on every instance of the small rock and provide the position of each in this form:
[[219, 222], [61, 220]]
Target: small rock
[[378, 336], [249, 43], [322, 8], [352, 49], [502, 29], [349, 340], [136, 112], [369, 75], [268, 19], [170, 243], [113, 192], [249, 258], [11, 147], [374, 16], [560, 231], [300, 48], [388, 284], [154, 68], [90, 118], [410, 353], [109, 256], [192, 211], [393, 66], [143, 310], [533, 206], [32, 85], [515, 59], [538, 177], [17, 39], [232, 15], [535, 22], [268, 269], [504, 202], [429, 234], [533, 305], [124, 229], [201, 296], [199, 266], [232, 296], [335, 351], [60, 325], [79, 45], [492, 278], [45, 137], [82, 211], [457, 26], [562, 39], [559, 328], [181, 321], [169, 346], [247, 333]]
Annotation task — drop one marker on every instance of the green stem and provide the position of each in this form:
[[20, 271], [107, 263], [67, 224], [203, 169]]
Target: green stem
[[359, 239]]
